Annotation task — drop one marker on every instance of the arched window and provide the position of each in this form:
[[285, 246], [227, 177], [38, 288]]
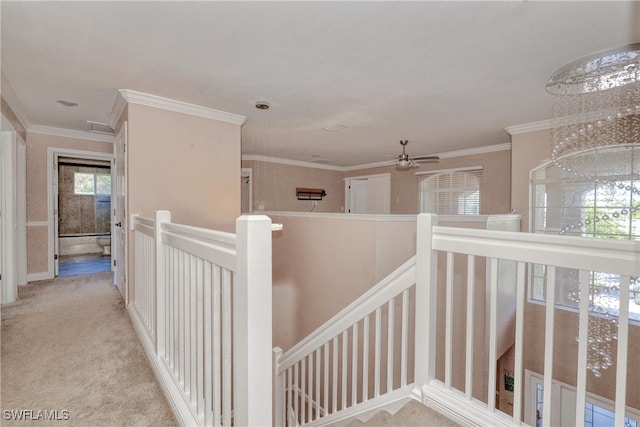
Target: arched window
[[455, 192], [604, 206]]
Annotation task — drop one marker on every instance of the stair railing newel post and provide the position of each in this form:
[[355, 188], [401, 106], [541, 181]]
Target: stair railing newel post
[[252, 331], [162, 217], [426, 301], [278, 389]]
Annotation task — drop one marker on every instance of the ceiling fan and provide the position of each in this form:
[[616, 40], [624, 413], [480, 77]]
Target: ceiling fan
[[404, 161]]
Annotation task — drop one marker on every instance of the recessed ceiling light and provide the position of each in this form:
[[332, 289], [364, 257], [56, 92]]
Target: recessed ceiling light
[[262, 105], [334, 128], [67, 103]]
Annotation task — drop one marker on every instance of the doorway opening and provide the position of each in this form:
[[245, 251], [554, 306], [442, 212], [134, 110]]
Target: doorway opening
[[84, 216], [80, 213]]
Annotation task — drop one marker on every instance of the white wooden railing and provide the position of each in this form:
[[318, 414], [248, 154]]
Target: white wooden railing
[[202, 309], [397, 340]]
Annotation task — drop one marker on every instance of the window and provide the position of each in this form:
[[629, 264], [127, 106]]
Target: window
[[451, 192], [603, 208], [91, 184], [598, 412]]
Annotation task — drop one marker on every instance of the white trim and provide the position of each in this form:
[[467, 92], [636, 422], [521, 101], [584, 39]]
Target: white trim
[[33, 277], [290, 162], [529, 127], [345, 216], [10, 97], [70, 133], [437, 171], [38, 224], [376, 175], [119, 104], [133, 97], [443, 155], [390, 217]]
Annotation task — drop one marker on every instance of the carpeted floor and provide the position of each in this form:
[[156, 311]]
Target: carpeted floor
[[69, 352]]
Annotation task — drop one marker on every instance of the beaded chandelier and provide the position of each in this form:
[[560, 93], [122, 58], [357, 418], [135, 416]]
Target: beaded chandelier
[[596, 141]]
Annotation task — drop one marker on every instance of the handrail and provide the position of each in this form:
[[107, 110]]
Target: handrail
[[620, 256], [397, 281]]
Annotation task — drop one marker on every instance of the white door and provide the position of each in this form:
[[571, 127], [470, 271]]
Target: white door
[[56, 216], [119, 219], [379, 194], [368, 194], [359, 196]]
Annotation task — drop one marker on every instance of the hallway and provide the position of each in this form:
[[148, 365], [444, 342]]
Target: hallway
[[69, 350]]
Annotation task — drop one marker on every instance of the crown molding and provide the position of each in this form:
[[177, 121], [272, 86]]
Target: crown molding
[[10, 97], [289, 162], [70, 133], [443, 155], [133, 97], [529, 127], [119, 104]]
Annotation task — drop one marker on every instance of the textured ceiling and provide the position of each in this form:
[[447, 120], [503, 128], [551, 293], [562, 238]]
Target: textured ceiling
[[444, 75]]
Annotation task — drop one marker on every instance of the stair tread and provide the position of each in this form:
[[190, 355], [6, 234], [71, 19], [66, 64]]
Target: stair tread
[[413, 414]]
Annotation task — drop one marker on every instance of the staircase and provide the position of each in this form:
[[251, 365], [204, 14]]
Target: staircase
[[413, 413]]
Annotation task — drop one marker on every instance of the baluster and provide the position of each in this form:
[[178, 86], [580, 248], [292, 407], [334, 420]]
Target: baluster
[[296, 392], [226, 347], [365, 359], [209, 357], [471, 284], [405, 338], [201, 337], [354, 365], [377, 351], [317, 395], [448, 358], [325, 400], [303, 391], [493, 314], [519, 344], [345, 349], [390, 337], [334, 396], [216, 318], [623, 348], [548, 344]]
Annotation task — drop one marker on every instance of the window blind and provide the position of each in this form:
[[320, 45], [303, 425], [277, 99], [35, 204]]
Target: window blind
[[450, 192]]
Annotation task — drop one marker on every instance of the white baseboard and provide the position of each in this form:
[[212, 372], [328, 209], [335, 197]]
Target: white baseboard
[[45, 275]]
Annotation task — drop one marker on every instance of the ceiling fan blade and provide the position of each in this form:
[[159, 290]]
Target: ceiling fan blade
[[425, 158]]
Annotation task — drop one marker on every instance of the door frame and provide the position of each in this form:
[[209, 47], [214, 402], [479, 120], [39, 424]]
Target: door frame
[[53, 154], [248, 173]]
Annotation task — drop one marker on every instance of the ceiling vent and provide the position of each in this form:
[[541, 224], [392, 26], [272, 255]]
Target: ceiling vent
[[97, 127], [335, 127]]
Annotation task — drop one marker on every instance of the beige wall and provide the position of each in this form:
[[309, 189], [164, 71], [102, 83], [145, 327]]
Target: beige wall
[[274, 184], [322, 263], [37, 189], [186, 164], [274, 187], [530, 150], [496, 189]]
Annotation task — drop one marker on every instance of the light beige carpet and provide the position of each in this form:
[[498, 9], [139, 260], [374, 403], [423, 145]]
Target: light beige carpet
[[412, 414], [68, 345]]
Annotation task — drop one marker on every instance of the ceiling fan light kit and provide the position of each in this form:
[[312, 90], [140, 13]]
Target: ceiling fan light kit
[[406, 162]]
